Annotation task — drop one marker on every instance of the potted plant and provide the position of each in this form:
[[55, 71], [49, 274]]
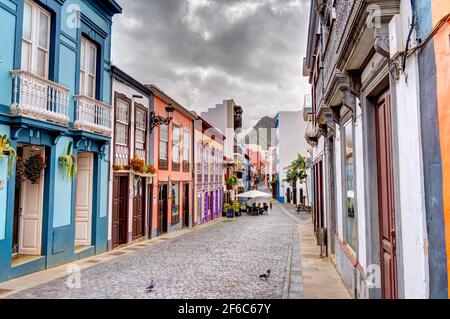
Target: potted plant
[[232, 182], [138, 165], [151, 169], [6, 150], [33, 168], [68, 164], [118, 167]]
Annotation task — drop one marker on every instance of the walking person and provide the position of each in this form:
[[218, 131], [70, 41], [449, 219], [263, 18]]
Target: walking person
[[271, 204]]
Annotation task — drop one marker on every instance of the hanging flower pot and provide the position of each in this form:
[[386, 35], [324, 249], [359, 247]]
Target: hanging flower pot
[[6, 150], [68, 163], [33, 168]]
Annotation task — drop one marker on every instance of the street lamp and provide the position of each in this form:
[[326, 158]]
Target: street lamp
[[156, 120]]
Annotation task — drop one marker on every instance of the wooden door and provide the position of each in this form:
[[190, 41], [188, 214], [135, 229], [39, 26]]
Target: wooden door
[[120, 210], [318, 215], [211, 206], [162, 209], [386, 198], [186, 208], [83, 202], [31, 208], [139, 208]]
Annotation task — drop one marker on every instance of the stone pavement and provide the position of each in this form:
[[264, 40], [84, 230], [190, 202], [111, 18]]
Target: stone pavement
[[320, 277], [223, 260]]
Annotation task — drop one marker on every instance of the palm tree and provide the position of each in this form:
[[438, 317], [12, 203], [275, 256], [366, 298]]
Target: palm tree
[[298, 172], [299, 168]]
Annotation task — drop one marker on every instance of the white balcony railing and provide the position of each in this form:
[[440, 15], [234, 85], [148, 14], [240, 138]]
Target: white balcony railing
[[93, 115], [36, 97]]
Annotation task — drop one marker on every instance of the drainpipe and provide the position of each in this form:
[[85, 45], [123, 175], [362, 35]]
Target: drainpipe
[[193, 177], [413, 25]]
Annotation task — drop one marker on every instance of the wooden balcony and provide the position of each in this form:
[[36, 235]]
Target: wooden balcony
[[176, 166], [39, 98], [163, 164], [93, 116]]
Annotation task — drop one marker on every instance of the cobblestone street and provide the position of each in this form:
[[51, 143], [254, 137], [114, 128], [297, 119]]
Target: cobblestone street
[[223, 260]]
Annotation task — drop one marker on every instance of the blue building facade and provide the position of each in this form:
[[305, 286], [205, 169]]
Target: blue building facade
[[55, 97]]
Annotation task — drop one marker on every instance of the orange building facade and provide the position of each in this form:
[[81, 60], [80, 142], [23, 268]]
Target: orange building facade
[[433, 31], [172, 200]]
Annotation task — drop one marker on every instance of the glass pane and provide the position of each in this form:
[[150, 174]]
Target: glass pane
[[82, 81], [82, 55], [140, 119], [121, 134], [186, 146], [176, 153], [27, 21], [92, 60], [122, 111], [163, 146], [91, 86], [349, 181], [140, 136], [176, 135], [43, 30], [164, 132], [26, 47], [42, 63]]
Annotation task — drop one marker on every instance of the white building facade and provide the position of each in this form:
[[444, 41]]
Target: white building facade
[[288, 144], [364, 128]]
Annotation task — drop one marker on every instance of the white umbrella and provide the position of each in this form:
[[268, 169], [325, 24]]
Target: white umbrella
[[254, 194]]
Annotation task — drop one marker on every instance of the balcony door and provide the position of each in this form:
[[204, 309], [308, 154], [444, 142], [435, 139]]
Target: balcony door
[[88, 68], [35, 39]]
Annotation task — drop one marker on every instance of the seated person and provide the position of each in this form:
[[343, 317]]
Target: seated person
[[260, 211], [266, 207]]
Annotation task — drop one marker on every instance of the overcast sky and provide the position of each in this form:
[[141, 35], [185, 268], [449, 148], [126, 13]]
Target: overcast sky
[[201, 52]]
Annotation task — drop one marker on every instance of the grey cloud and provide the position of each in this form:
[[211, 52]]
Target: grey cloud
[[203, 51]]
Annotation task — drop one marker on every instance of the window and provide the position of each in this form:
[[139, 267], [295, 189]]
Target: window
[[163, 142], [186, 146], [176, 146], [186, 150], [35, 39], [122, 122], [211, 166], [205, 165], [199, 165], [122, 132], [141, 132], [349, 200], [88, 68]]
